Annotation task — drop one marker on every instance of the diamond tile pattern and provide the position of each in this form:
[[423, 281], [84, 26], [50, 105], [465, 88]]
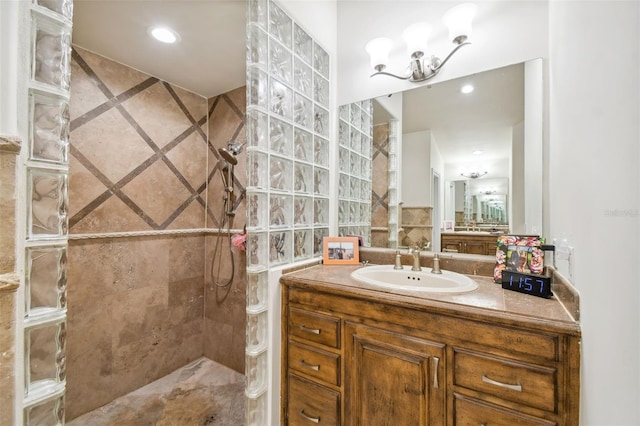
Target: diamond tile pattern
[[144, 143], [380, 185]]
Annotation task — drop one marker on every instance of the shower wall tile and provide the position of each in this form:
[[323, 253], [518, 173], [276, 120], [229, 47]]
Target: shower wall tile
[[224, 310], [164, 124], [224, 317], [158, 192], [9, 150], [148, 321], [187, 158], [141, 146], [380, 185], [85, 93], [8, 316], [112, 214], [118, 78], [102, 142], [227, 121]]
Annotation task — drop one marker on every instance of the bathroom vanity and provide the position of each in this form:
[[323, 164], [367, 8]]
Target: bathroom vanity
[[472, 242], [356, 354]]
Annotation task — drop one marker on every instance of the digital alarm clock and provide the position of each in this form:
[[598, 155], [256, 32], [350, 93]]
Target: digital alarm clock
[[535, 285]]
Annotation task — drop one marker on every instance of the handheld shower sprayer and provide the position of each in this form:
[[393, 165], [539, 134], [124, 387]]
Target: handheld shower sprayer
[[229, 154], [227, 159]]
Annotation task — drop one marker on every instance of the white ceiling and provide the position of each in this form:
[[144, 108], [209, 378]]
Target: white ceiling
[[209, 59]]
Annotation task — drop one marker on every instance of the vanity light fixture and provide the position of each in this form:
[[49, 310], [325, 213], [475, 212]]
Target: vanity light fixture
[[487, 191], [458, 20], [473, 175], [164, 34]]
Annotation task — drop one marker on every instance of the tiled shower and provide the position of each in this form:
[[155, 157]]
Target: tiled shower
[[128, 254], [144, 201]]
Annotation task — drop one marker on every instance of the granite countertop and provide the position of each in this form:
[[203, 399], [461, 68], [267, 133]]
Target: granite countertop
[[489, 302]]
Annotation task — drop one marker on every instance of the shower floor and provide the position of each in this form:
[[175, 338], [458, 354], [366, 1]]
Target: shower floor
[[202, 393]]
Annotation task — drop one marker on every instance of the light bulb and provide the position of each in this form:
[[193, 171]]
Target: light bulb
[[416, 36], [378, 50], [458, 19]]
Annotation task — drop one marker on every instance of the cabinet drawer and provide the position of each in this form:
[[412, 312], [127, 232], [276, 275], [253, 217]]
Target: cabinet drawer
[[314, 327], [526, 384], [311, 404], [315, 362], [469, 412]]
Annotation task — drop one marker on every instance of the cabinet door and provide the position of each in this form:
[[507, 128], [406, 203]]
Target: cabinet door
[[475, 247], [393, 379], [450, 244]]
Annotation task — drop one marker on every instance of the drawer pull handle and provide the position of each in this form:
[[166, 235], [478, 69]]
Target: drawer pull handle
[[311, 419], [311, 366], [436, 360], [310, 330], [517, 388]]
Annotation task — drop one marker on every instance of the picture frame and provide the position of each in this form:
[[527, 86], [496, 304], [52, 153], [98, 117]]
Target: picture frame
[[448, 225], [520, 254], [340, 251]]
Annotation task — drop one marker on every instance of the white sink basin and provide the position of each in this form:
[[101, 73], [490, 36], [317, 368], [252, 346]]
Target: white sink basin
[[406, 279]]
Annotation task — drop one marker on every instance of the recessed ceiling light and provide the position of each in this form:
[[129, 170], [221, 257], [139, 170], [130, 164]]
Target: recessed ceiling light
[[467, 88], [477, 152], [164, 34]]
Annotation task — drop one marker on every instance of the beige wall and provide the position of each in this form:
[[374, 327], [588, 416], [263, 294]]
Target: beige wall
[[138, 162]]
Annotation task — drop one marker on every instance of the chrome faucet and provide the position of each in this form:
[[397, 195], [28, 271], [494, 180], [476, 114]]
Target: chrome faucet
[[416, 258], [436, 264], [398, 264]]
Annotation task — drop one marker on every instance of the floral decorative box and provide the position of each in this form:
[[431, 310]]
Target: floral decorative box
[[519, 253]]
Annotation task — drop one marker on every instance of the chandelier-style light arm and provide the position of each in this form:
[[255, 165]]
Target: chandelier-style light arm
[[421, 71], [390, 75], [437, 68]]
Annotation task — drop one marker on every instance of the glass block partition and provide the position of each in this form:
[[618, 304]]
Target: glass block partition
[[394, 213], [287, 169], [47, 223], [355, 136]]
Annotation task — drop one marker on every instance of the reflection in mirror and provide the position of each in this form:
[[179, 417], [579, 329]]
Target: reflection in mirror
[[473, 158]]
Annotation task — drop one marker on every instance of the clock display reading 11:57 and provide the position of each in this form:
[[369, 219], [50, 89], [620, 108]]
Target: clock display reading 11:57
[[535, 285]]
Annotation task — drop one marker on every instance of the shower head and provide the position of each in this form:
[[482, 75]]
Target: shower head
[[229, 153], [229, 157], [235, 147]]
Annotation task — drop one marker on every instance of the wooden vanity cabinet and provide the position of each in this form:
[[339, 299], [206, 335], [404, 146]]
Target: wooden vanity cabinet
[[392, 379], [351, 358], [471, 244]]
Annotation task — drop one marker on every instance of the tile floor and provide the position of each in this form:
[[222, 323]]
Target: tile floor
[[202, 393]]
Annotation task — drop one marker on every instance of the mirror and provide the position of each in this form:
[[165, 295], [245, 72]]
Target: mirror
[[471, 158]]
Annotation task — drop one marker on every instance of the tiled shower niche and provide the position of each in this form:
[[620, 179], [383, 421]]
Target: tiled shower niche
[[287, 167], [355, 136]]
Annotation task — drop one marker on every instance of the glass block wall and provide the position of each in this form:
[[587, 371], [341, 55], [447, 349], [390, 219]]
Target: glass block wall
[[287, 169], [47, 223], [393, 171], [355, 136]]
